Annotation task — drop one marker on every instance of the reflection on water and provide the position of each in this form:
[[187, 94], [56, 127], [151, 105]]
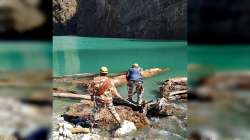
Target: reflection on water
[[73, 55]]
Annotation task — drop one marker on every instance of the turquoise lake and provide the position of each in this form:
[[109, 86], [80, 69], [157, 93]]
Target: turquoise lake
[[73, 55]]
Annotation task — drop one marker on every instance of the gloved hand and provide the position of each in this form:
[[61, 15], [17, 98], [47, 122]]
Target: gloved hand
[[92, 98]]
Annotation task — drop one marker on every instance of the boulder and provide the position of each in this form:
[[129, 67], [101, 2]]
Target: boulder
[[126, 127], [163, 108], [90, 136]]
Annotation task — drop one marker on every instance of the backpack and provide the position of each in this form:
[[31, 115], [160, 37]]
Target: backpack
[[104, 87]]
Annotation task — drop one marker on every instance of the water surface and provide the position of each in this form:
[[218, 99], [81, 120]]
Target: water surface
[[72, 55]]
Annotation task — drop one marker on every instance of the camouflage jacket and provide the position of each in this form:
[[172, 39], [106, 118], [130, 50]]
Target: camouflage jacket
[[102, 89]]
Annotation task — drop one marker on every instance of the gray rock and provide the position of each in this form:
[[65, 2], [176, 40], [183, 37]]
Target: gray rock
[[148, 19]]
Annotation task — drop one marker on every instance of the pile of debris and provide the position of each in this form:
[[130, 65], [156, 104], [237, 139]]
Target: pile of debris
[[84, 110], [63, 130], [174, 88]]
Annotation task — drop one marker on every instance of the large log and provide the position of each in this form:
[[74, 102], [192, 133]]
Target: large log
[[72, 96], [119, 79], [116, 101]]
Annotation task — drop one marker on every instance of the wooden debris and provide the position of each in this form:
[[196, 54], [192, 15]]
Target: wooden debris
[[79, 130], [72, 96], [174, 88]]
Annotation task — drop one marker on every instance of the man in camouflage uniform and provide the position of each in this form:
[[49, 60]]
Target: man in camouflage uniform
[[102, 90], [135, 81]]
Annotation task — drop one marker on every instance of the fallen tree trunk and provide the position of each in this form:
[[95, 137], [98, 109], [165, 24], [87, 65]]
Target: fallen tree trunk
[[72, 96], [116, 101], [119, 79]]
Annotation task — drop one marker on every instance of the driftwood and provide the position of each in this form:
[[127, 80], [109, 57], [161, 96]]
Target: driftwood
[[174, 93], [120, 80], [174, 88], [116, 101], [79, 130], [72, 96]]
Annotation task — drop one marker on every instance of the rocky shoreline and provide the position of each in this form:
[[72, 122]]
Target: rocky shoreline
[[79, 116], [22, 120]]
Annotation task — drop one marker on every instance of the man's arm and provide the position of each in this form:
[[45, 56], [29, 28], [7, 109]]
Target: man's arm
[[127, 75], [91, 91], [114, 91], [141, 70]]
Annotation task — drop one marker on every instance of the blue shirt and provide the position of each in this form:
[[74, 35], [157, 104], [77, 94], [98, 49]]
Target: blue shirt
[[134, 74]]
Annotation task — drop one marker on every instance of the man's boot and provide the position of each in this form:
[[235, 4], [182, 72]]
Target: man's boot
[[139, 99], [130, 99]]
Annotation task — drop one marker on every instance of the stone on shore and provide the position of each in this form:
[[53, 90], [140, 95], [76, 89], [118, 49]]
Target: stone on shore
[[126, 127], [164, 107]]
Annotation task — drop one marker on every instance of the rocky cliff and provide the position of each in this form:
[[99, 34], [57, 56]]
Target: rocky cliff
[[213, 21], [148, 19]]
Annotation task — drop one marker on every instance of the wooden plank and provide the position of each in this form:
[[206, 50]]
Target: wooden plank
[[178, 92], [72, 96], [79, 130]]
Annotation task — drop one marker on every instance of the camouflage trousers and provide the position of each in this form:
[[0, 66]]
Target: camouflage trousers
[[135, 87], [110, 107]]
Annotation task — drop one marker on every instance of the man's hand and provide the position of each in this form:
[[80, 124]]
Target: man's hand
[[92, 97], [119, 96]]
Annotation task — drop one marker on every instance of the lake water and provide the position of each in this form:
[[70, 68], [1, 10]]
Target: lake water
[[72, 55]]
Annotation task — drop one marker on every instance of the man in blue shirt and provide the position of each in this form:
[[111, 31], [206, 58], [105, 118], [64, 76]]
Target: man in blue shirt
[[135, 81]]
